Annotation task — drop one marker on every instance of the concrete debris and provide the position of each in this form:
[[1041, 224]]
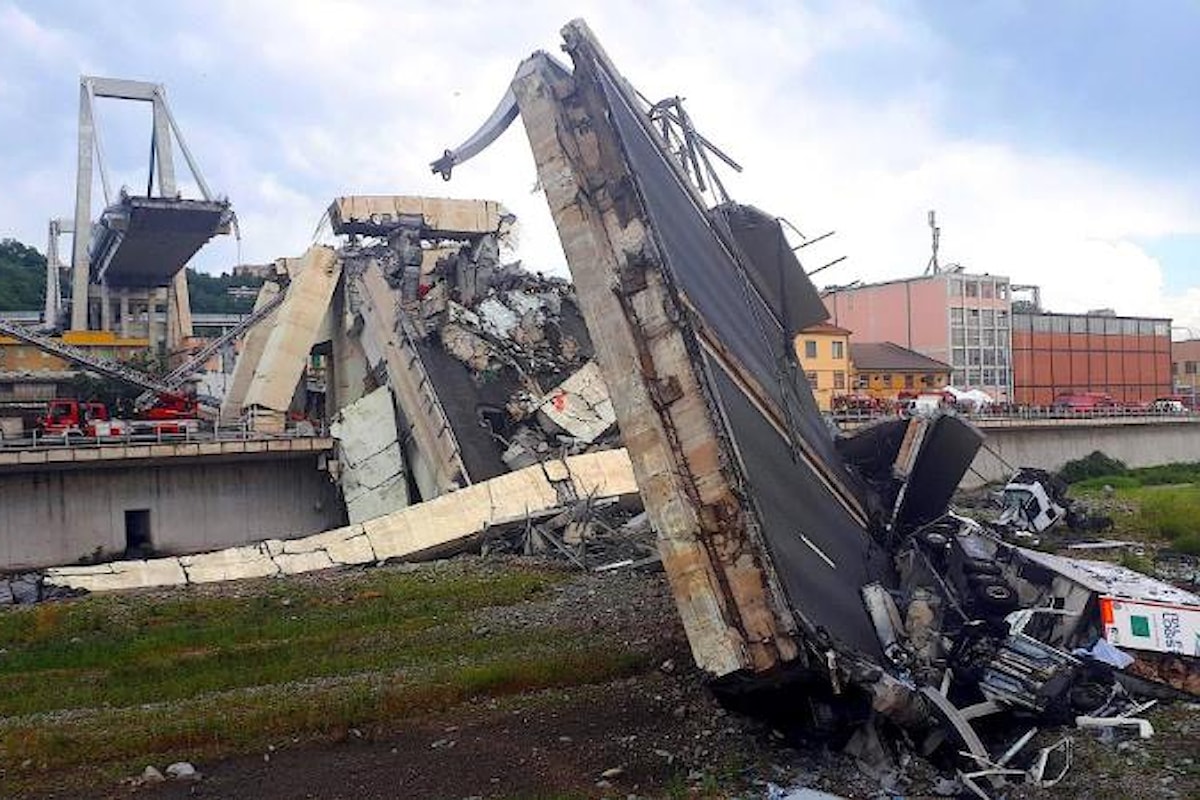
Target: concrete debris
[[151, 775], [592, 534], [474, 349], [797, 557], [29, 588], [182, 771], [370, 457], [295, 329], [443, 526], [799, 793]]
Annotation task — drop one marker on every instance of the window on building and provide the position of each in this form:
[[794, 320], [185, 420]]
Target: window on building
[[886, 378], [988, 317], [927, 380], [973, 336], [812, 379], [973, 316], [862, 381], [1129, 327], [1077, 324], [989, 377], [1001, 319], [1161, 329], [839, 349], [958, 378], [810, 348], [1112, 326], [958, 337], [908, 382], [1002, 357], [1059, 324], [972, 288], [1095, 325], [1174, 370], [1002, 290], [987, 289], [1189, 368], [1041, 324], [989, 356], [956, 316], [958, 357], [956, 287], [839, 380], [1002, 377], [989, 337], [974, 357]]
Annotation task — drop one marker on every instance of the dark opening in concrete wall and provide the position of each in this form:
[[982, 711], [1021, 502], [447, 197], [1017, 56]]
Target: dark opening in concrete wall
[[138, 542]]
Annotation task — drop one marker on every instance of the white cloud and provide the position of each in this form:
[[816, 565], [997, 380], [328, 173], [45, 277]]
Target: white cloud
[[340, 98]]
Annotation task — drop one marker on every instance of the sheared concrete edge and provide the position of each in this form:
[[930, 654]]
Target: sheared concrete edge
[[438, 527]]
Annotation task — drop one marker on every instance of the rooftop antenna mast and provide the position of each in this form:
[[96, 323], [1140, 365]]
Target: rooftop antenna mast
[[933, 268]]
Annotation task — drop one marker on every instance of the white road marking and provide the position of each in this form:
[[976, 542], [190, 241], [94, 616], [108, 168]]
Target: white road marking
[[818, 551]]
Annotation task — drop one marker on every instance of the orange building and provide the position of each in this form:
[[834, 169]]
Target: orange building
[[824, 353], [1127, 357], [885, 369]]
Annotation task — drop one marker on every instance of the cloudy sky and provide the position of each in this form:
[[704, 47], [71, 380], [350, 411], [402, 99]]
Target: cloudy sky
[[1057, 140]]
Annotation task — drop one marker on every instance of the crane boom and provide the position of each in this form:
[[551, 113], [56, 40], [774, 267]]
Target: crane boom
[[96, 364], [175, 378]]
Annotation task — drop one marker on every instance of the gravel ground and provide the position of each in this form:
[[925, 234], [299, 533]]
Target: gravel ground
[[658, 734]]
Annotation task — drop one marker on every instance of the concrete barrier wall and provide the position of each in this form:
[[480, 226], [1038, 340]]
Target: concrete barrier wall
[[1052, 443], [60, 516]]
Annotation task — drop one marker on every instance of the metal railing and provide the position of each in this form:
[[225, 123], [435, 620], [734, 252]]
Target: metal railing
[[1024, 414], [205, 432]]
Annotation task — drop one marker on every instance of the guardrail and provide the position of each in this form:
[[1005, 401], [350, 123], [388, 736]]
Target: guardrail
[[1019, 415], [38, 440]]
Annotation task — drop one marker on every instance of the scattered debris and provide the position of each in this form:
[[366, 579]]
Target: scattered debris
[[796, 558], [182, 771]]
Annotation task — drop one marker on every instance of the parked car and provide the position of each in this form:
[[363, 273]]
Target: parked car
[[1083, 402], [1168, 405]]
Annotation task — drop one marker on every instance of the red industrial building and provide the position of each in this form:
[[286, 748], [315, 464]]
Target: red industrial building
[[1053, 354]]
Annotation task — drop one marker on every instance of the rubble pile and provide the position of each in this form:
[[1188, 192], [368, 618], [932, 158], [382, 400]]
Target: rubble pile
[[506, 349], [593, 535]]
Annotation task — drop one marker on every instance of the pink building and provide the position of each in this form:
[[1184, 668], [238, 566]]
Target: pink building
[[962, 320]]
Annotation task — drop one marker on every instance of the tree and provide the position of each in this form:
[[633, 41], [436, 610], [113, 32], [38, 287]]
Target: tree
[[22, 277], [209, 294]]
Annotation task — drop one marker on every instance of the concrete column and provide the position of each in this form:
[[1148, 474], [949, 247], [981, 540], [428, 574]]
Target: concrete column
[[156, 299], [124, 314], [105, 308]]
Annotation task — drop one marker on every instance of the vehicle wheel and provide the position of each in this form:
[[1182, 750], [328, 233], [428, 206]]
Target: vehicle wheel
[[996, 597]]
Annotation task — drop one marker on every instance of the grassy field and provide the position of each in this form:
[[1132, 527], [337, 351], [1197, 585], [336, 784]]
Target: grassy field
[[98, 687], [1157, 503]]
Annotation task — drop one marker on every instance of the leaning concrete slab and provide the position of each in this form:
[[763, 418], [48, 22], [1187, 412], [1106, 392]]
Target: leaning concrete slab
[[252, 349], [299, 321], [371, 457], [442, 526]]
